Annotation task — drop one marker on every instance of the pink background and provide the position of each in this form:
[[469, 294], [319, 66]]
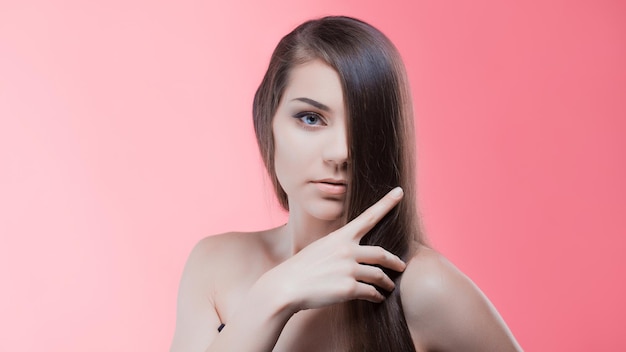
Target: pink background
[[126, 136]]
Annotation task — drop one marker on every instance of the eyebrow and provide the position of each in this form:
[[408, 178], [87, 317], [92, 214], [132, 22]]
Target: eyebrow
[[316, 104]]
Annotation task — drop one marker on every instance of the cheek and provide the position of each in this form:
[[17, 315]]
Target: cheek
[[292, 158], [282, 158], [285, 157]]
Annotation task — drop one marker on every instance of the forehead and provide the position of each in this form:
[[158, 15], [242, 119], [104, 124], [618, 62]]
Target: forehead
[[315, 80]]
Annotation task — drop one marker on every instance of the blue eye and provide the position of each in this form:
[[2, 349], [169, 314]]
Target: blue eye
[[310, 118]]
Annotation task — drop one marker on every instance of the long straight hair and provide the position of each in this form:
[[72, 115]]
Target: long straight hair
[[381, 152]]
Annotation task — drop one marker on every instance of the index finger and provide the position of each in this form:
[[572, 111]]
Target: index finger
[[361, 225]]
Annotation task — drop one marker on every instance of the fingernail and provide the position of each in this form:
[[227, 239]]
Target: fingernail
[[396, 192], [402, 263]]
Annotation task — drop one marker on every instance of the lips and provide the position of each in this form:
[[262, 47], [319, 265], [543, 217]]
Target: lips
[[331, 186]]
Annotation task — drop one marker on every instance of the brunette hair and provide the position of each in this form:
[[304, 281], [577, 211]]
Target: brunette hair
[[381, 147]]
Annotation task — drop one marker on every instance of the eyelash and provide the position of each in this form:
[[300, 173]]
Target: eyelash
[[303, 115]]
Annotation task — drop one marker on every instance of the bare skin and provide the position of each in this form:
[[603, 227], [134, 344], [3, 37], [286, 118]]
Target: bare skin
[[445, 311], [278, 289], [260, 301]]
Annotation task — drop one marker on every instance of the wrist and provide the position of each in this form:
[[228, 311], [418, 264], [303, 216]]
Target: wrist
[[274, 298]]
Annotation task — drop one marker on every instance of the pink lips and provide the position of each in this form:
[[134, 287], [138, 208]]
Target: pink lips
[[335, 187]]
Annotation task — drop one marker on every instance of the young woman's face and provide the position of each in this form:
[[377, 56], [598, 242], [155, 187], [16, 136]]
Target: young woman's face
[[310, 141]]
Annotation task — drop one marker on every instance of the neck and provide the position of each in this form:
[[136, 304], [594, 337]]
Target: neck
[[302, 229]]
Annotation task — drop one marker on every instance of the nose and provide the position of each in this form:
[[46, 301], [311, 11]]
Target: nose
[[336, 147]]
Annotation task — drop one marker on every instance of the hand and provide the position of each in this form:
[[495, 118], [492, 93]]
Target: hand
[[336, 268]]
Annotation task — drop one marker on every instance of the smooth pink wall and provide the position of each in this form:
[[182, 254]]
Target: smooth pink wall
[[126, 136]]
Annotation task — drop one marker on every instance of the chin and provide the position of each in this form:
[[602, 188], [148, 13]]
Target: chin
[[331, 210]]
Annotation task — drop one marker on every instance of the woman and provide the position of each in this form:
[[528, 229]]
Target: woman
[[350, 270]]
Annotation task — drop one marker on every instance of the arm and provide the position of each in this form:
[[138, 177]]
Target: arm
[[195, 312], [259, 319], [446, 311], [330, 270]]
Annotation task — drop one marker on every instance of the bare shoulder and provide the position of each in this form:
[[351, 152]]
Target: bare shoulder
[[229, 254], [222, 246], [227, 242], [432, 278], [446, 311], [214, 267]]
